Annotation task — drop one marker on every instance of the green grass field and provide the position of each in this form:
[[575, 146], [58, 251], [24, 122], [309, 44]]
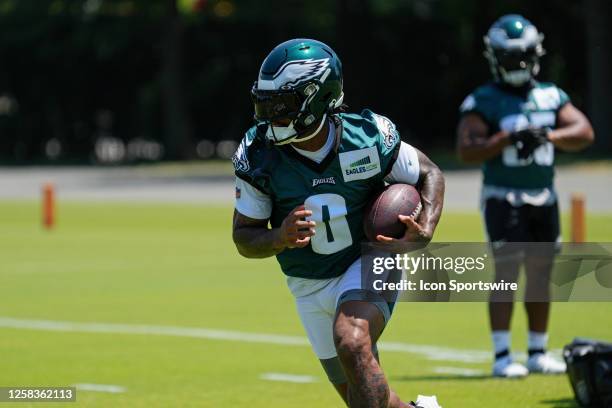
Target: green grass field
[[175, 265]]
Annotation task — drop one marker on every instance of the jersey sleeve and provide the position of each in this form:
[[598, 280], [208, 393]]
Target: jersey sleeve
[[481, 102], [474, 103], [468, 105], [406, 168], [564, 98], [251, 202]]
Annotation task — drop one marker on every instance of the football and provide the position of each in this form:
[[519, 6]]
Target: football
[[381, 214]]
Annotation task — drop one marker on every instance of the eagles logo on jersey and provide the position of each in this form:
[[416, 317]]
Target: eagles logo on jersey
[[240, 158], [388, 130]]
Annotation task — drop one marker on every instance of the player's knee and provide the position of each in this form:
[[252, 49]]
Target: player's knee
[[351, 337]]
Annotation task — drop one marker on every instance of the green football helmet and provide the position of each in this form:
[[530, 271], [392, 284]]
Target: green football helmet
[[513, 47], [299, 84]]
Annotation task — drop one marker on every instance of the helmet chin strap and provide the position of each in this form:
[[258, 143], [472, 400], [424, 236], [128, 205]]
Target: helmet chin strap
[[295, 139]]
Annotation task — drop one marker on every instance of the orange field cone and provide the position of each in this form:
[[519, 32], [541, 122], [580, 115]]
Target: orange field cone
[[578, 222], [48, 205]]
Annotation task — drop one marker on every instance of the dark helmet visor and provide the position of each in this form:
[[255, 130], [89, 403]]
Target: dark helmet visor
[[273, 105], [516, 59]]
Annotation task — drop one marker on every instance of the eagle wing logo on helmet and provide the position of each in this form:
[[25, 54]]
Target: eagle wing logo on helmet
[[295, 72]]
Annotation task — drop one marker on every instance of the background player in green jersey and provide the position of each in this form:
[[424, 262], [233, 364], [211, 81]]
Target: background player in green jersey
[[307, 169], [513, 125]]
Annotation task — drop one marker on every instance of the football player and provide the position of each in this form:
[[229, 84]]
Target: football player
[[304, 174], [512, 126]]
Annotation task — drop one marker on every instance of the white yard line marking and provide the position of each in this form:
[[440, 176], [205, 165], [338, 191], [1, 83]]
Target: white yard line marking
[[465, 372], [426, 351], [113, 389], [438, 353], [301, 379], [176, 331]]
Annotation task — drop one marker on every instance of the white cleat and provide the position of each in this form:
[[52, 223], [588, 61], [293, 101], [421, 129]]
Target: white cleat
[[546, 364], [506, 368], [427, 402]]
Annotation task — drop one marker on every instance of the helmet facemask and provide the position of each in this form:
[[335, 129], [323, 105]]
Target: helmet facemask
[[286, 113], [514, 61]]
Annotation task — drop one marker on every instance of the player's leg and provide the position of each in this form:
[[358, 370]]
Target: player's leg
[[319, 311], [501, 219], [538, 267], [361, 316], [357, 327], [334, 366], [504, 224], [316, 306], [318, 322]]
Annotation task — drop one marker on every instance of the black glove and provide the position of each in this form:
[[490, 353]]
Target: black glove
[[527, 140]]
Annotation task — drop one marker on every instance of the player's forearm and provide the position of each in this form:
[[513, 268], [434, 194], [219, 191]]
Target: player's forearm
[[432, 198], [478, 149], [572, 138], [258, 242]]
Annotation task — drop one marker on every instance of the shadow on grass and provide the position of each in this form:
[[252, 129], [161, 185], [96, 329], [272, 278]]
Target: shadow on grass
[[561, 403]]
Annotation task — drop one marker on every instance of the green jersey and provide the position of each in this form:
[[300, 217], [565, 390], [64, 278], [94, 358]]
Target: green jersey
[[505, 108], [335, 190]]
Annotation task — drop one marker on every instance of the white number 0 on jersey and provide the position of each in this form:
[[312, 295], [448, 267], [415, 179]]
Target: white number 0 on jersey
[[332, 232]]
